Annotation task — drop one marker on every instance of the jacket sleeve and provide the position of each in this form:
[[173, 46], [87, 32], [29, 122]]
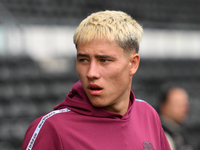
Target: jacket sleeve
[[41, 137]]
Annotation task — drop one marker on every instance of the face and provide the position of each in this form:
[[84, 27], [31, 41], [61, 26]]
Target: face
[[177, 105], [105, 72]]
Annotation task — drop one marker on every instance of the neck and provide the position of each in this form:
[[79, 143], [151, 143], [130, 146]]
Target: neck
[[120, 107]]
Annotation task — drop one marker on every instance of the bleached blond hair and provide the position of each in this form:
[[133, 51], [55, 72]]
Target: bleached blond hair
[[112, 25]]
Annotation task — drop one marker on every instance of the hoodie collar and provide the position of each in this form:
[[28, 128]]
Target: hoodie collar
[[78, 102]]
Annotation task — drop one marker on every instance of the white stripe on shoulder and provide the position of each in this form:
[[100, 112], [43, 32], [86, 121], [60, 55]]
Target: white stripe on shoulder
[[37, 130], [139, 100]]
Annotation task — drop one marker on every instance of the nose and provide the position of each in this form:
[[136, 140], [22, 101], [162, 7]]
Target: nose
[[93, 71]]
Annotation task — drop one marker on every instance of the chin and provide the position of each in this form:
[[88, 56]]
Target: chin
[[97, 103]]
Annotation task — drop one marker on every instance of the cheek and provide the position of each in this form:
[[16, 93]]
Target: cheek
[[112, 74], [119, 77], [80, 71], [77, 70], [122, 73]]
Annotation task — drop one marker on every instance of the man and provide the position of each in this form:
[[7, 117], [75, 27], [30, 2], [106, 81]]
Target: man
[[174, 108], [101, 112]]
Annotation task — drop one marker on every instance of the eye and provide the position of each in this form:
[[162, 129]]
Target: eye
[[83, 60], [104, 60]]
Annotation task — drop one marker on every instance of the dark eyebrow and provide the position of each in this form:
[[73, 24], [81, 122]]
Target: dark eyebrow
[[82, 55], [104, 56], [97, 56]]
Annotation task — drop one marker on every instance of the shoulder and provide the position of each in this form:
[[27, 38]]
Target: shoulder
[[48, 118], [143, 108], [54, 113], [41, 126]]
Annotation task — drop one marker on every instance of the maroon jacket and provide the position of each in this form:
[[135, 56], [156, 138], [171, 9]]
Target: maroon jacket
[[77, 125]]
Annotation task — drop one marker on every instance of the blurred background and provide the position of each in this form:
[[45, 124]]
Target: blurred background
[[37, 56]]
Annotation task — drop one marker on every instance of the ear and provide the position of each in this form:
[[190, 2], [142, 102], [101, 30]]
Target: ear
[[134, 63]]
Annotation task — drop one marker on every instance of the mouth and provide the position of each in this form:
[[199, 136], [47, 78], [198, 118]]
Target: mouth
[[94, 89]]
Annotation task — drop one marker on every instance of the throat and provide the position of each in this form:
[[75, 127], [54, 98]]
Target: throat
[[120, 108]]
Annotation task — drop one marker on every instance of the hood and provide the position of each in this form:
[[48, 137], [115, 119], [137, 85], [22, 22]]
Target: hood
[[78, 102]]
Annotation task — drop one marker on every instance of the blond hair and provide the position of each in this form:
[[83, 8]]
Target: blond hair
[[113, 25]]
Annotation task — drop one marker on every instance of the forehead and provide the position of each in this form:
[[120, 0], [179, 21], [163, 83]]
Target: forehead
[[100, 46], [178, 96]]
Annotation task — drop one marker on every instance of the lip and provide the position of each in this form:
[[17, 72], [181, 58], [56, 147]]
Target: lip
[[94, 89]]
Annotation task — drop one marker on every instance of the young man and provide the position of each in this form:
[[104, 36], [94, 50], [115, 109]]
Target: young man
[[101, 112]]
